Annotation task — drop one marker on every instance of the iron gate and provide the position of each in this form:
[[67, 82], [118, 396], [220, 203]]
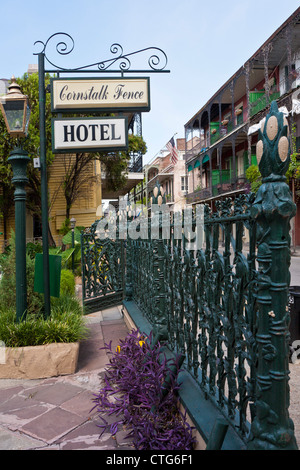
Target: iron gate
[[102, 270]]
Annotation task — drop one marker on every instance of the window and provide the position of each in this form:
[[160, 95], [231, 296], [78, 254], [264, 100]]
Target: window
[[184, 183]]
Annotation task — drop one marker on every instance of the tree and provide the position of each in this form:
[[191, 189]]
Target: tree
[[6, 187], [293, 174], [116, 163]]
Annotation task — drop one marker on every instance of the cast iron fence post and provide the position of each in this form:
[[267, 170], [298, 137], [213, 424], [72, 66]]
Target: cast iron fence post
[[160, 318], [272, 429]]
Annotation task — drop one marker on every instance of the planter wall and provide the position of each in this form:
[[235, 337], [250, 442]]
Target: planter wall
[[37, 362]]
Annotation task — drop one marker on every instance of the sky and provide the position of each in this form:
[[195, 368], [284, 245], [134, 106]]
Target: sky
[[206, 42]]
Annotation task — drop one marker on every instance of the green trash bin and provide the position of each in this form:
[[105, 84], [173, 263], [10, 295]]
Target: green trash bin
[[54, 274]]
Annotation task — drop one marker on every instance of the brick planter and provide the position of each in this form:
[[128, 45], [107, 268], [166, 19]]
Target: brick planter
[[37, 362]]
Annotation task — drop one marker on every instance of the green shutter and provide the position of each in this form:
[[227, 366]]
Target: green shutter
[[246, 161]]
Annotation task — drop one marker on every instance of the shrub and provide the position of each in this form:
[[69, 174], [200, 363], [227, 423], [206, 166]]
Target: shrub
[[66, 325], [135, 393], [8, 281], [67, 282], [254, 177]]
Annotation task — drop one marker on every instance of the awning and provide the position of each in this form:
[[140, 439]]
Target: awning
[[205, 159], [190, 168], [197, 164]]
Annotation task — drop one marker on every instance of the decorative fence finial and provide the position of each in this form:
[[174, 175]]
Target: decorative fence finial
[[273, 208], [273, 147]]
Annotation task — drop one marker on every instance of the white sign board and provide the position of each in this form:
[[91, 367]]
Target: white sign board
[[98, 134], [125, 94]]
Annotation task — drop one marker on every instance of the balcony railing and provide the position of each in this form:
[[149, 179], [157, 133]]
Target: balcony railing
[[261, 101], [258, 99], [135, 164], [226, 186]]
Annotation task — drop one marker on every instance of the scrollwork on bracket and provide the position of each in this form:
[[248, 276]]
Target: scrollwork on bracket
[[157, 61]]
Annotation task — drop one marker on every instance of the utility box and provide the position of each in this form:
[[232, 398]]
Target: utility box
[[54, 274]]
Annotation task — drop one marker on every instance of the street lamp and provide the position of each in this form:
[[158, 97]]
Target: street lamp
[[15, 109], [73, 223]]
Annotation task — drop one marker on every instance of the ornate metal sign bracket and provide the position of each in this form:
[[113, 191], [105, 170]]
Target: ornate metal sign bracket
[[65, 44]]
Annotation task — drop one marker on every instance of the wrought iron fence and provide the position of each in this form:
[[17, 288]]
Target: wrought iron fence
[[204, 301], [226, 310]]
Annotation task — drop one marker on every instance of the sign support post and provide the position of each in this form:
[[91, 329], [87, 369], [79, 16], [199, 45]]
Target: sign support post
[[44, 186], [157, 63]]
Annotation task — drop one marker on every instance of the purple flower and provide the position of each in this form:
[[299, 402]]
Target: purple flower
[[136, 391]]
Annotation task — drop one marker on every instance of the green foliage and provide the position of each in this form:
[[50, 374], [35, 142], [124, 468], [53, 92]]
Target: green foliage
[[67, 282], [29, 86], [67, 239], [294, 168], [254, 177], [65, 227], [116, 163], [253, 174], [33, 248], [66, 325], [8, 281], [67, 253]]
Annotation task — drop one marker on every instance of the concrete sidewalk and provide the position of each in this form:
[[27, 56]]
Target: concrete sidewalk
[[55, 413]]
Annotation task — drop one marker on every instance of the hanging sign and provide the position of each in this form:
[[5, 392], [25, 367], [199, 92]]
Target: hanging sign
[[109, 94], [89, 134]]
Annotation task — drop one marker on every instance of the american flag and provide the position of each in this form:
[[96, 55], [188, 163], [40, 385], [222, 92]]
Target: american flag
[[173, 151]]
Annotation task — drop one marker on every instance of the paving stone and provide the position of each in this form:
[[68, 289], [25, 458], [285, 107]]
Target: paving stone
[[90, 357], [81, 405], [122, 439], [16, 441], [15, 403], [56, 393], [52, 425], [87, 437], [5, 394], [111, 314], [16, 419]]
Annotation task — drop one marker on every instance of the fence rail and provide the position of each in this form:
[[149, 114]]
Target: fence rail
[[204, 301]]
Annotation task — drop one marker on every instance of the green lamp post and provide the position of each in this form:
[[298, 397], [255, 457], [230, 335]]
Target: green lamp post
[[15, 110]]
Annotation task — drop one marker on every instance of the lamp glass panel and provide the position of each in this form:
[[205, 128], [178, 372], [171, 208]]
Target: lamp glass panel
[[14, 111]]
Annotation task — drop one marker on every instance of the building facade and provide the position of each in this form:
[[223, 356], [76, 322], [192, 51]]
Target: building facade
[[171, 177], [221, 137]]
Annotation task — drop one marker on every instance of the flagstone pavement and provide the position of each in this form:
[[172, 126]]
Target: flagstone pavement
[[56, 413]]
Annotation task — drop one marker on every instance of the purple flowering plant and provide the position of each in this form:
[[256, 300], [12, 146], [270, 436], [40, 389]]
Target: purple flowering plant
[[140, 395]]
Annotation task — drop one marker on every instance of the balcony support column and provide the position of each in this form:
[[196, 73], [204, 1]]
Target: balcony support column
[[265, 52], [232, 102], [288, 35], [233, 175]]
